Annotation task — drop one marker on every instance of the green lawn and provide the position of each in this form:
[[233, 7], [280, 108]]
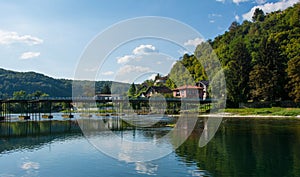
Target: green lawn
[[276, 111]]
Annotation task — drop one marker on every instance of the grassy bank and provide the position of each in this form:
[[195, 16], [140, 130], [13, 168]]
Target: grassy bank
[[274, 111]]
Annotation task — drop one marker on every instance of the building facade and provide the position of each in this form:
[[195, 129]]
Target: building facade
[[188, 91]]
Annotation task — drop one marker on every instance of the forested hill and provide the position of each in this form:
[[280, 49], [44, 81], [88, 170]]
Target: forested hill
[[261, 58], [30, 82]]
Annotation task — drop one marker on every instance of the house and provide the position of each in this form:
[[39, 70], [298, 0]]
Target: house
[[160, 80], [156, 90], [188, 91]]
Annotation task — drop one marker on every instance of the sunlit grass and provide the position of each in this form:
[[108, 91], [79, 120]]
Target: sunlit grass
[[276, 111]]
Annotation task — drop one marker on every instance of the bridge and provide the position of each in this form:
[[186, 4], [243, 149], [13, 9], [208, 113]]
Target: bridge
[[34, 107]]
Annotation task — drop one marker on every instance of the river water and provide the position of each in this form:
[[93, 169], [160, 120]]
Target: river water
[[241, 147]]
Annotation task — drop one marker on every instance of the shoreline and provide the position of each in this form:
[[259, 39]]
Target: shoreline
[[252, 116], [229, 115], [212, 115]]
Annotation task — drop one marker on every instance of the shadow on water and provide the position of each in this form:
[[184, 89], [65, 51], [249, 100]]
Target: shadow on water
[[247, 147], [32, 134]]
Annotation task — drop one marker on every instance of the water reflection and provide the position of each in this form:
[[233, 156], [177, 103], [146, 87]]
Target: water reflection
[[130, 142], [31, 168], [33, 134], [146, 168], [241, 147], [248, 148]]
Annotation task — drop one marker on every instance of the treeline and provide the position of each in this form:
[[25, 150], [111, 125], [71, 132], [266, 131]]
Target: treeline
[[260, 59], [23, 108], [26, 83], [29, 82]]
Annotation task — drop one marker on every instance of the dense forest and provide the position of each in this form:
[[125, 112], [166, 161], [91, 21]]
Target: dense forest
[[260, 58], [27, 84]]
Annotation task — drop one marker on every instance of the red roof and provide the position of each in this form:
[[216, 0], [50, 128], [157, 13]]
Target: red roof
[[188, 87]]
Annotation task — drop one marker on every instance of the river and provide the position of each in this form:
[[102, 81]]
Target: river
[[241, 147]]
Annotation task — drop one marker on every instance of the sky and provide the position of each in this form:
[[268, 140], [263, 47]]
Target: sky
[[52, 36]]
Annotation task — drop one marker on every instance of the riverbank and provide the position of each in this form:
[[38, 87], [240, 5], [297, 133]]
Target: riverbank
[[274, 112], [229, 115]]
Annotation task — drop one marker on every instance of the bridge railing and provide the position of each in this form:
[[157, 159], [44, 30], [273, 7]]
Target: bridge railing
[[100, 99]]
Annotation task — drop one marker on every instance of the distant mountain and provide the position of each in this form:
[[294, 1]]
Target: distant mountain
[[12, 81]]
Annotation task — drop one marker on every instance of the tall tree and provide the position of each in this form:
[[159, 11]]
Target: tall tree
[[132, 90], [293, 72], [267, 78], [233, 25], [237, 73], [258, 15]]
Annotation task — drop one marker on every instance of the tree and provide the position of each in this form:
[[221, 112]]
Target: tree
[[180, 74], [237, 74], [233, 25], [258, 15], [38, 94], [106, 89], [293, 71], [132, 90], [268, 76], [18, 95], [157, 77], [295, 18]]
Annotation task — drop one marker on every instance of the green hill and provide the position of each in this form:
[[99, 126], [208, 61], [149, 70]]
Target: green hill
[[260, 58], [30, 82]]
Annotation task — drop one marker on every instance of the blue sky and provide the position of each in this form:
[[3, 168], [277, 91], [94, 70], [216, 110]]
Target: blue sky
[[50, 36]]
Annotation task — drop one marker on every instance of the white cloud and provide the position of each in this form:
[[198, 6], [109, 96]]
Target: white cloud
[[125, 59], [214, 15], [131, 68], [30, 165], [270, 7], [108, 73], [237, 18], [137, 52], [260, 1], [129, 73], [28, 55], [223, 1], [9, 37], [194, 42], [239, 1], [144, 49]]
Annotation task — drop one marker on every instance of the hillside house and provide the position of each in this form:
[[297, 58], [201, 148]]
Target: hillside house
[[161, 80], [188, 91], [157, 90]]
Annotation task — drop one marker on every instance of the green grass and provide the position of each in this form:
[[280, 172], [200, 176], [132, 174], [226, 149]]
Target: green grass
[[275, 111]]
